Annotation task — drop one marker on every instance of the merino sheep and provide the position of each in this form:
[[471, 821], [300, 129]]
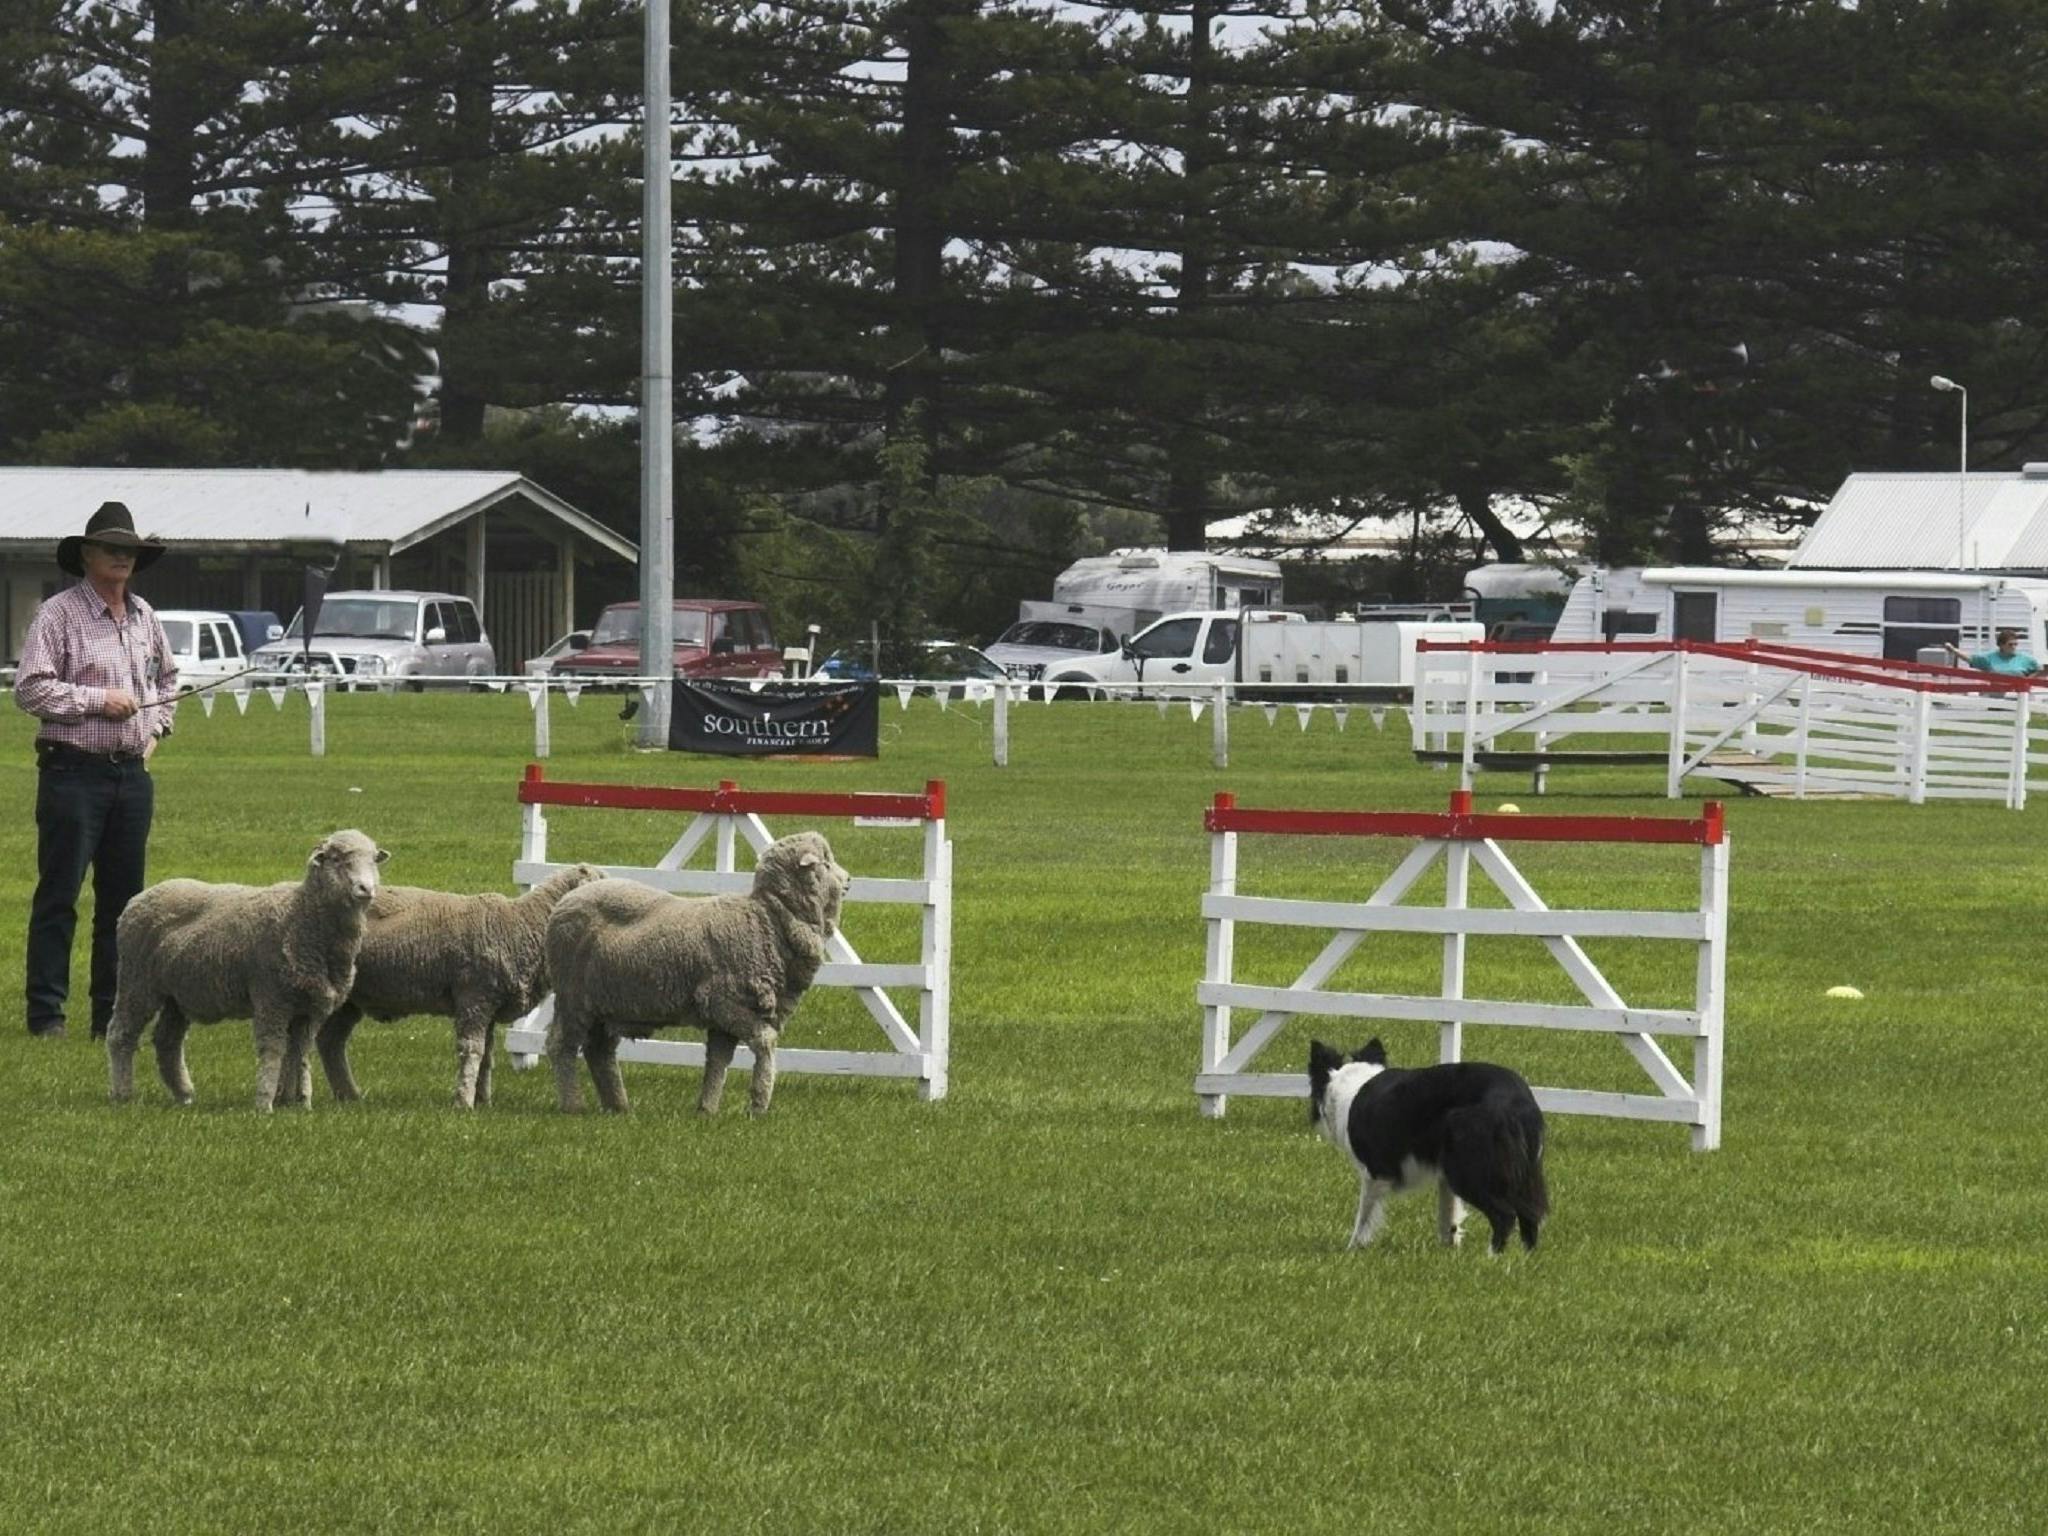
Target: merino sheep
[[282, 956], [628, 960], [481, 960]]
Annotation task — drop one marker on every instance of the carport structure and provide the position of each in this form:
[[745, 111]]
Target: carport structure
[[241, 538]]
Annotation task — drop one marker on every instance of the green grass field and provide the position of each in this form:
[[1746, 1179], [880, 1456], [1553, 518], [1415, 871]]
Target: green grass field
[[1058, 1300]]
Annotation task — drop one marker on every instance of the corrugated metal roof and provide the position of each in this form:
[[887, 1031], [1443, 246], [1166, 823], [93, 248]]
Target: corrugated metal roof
[[390, 508], [1997, 521]]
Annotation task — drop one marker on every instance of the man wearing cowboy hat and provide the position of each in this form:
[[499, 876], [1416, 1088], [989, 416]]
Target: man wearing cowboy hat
[[98, 673]]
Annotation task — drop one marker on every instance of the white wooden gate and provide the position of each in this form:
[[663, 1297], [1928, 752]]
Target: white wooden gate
[[1465, 841], [728, 815]]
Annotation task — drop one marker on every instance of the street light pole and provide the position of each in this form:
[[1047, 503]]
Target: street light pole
[[1950, 386], [657, 386]]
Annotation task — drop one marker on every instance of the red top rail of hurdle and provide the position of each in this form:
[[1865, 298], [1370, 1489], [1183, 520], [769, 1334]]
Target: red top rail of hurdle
[[1461, 823], [728, 799]]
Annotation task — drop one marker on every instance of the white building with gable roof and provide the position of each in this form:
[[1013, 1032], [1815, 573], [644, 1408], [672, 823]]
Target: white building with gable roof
[[241, 539]]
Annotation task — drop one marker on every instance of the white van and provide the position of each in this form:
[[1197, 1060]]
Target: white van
[[206, 642], [1894, 614]]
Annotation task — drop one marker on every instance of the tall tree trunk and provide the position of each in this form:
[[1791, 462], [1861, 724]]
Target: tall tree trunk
[[1476, 502]]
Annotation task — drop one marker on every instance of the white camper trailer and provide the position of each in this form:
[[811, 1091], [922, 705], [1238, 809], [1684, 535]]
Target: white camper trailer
[[1894, 614], [1146, 583]]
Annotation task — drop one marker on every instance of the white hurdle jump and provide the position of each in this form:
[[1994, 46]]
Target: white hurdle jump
[[1464, 840], [728, 815]]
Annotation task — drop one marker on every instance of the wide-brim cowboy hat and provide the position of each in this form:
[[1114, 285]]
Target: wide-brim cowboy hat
[[113, 526]]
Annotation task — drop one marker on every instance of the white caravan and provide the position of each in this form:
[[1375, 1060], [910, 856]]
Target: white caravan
[[1895, 614], [1149, 583]]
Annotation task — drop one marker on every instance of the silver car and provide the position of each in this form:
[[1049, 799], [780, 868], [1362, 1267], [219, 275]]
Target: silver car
[[387, 639]]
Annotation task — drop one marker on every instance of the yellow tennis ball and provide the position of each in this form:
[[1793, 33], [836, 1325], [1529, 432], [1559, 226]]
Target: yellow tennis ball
[[1849, 992], [1510, 808]]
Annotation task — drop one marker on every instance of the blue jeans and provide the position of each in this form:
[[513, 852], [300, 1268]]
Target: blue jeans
[[91, 812]]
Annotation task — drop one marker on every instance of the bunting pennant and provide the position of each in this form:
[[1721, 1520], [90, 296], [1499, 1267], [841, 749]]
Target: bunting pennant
[[1272, 712], [647, 696], [315, 690], [277, 692], [241, 698], [572, 692], [1379, 719], [1341, 715], [1048, 692], [754, 686], [534, 692], [1302, 712], [903, 692], [1163, 706], [1195, 708], [206, 705]]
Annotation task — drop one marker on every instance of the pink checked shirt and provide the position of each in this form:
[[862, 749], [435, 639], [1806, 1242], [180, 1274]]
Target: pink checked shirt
[[76, 651]]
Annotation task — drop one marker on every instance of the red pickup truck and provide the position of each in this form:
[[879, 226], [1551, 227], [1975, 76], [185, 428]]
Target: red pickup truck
[[714, 637]]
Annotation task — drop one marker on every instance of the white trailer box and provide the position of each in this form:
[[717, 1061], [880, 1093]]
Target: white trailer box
[[1141, 585], [1891, 614], [1341, 652]]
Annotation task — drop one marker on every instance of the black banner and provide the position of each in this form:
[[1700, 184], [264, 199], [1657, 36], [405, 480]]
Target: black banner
[[783, 720]]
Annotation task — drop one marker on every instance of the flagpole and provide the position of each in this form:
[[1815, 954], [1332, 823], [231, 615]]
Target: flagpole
[[657, 386]]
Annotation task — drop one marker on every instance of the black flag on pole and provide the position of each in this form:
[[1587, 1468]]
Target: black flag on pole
[[786, 720]]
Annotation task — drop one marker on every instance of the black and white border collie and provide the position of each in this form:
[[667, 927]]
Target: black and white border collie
[[1472, 1127]]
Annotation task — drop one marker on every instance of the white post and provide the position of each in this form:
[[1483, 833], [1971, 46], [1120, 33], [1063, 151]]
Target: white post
[[727, 826], [1752, 694], [1672, 775], [1219, 728], [542, 740], [1465, 762], [1457, 871], [533, 836], [2023, 708], [935, 1002], [1003, 723], [1805, 728], [316, 697], [1917, 749], [1711, 991], [1220, 963]]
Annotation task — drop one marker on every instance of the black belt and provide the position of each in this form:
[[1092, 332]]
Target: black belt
[[64, 752]]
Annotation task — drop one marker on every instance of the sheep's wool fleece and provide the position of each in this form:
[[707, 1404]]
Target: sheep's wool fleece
[[426, 951], [637, 959], [215, 948]]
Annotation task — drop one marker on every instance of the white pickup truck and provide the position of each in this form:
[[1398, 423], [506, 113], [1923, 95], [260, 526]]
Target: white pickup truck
[[1279, 654]]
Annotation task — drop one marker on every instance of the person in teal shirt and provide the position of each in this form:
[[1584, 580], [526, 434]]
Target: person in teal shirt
[[2008, 658]]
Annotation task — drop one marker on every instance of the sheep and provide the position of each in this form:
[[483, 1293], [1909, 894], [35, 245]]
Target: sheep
[[480, 959], [628, 960], [282, 956]]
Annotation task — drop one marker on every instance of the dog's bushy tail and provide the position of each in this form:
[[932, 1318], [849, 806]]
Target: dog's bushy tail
[[1522, 1163]]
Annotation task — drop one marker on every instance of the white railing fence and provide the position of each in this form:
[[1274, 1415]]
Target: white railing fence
[[1775, 719]]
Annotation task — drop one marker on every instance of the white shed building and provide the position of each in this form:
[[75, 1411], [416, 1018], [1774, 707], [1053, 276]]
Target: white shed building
[[241, 538]]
